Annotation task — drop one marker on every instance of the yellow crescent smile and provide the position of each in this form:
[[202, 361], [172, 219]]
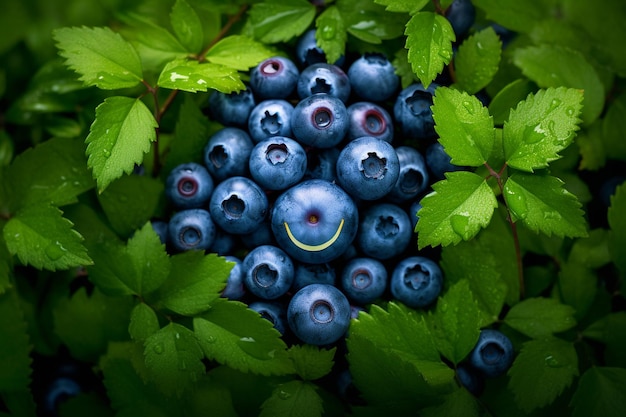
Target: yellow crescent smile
[[314, 248]]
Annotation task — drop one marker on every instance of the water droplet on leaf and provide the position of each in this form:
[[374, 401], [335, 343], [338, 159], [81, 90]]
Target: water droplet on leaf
[[55, 251], [460, 225], [284, 395], [517, 204], [158, 348], [533, 134], [554, 104], [469, 107], [328, 33], [552, 362], [106, 153], [210, 339]]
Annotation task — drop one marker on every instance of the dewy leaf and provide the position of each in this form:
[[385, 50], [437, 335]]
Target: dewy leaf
[[331, 33], [542, 204], [238, 52], [293, 398], [600, 392], [403, 68], [41, 237], [541, 127], [429, 41], [515, 15], [456, 322], [194, 282], [121, 134], [568, 68], [408, 6], [539, 317], [150, 262], [311, 362], [464, 126], [234, 335], [541, 371], [15, 360], [370, 22], [456, 210], [174, 358], [508, 97], [187, 26], [143, 322], [192, 76], [617, 233], [273, 22], [477, 60], [101, 57]]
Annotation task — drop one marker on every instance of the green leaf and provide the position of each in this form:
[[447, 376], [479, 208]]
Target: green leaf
[[540, 127], [369, 22], [187, 26], [238, 52], [429, 41], [477, 60], [41, 237], [331, 33], [456, 210], [293, 398], [456, 322], [403, 68], [174, 358], [539, 317], [617, 233], [592, 251], [459, 403], [578, 286], [408, 6], [600, 392], [192, 76], [542, 204], [464, 126], [15, 359], [541, 371], [101, 57], [613, 129], [150, 263], [611, 331], [119, 137], [515, 15], [568, 68], [143, 322], [234, 335], [591, 145], [311, 362], [507, 98], [273, 22]]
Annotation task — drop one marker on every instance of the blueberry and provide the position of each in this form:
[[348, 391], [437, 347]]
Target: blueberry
[[224, 243], [493, 353], [313, 274], [363, 280], [413, 178], [412, 112], [461, 14], [270, 118], [324, 78], [274, 311], [309, 53], [320, 120], [275, 77], [277, 163], [438, 161], [160, 227], [319, 314], [268, 272], [232, 109], [262, 235], [470, 378], [321, 164], [235, 289], [59, 391], [314, 221], [414, 208], [238, 205], [226, 153], [416, 281], [367, 168], [384, 231], [608, 188], [189, 185], [369, 119], [373, 77], [191, 229]]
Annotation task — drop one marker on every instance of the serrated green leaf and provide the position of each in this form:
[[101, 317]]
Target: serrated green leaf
[[600, 392], [408, 6], [477, 60], [592, 251], [273, 22], [331, 33], [41, 237], [429, 41], [464, 126], [311, 362], [403, 68], [150, 263], [369, 22], [508, 97], [110, 264], [541, 371], [577, 286], [617, 233], [193, 76], [540, 127], [568, 68], [238, 52], [86, 324], [102, 57], [239, 337], [539, 317], [15, 359], [542, 204], [119, 137], [293, 398], [143, 322], [456, 210], [187, 26], [456, 322], [174, 358], [515, 15], [194, 282]]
